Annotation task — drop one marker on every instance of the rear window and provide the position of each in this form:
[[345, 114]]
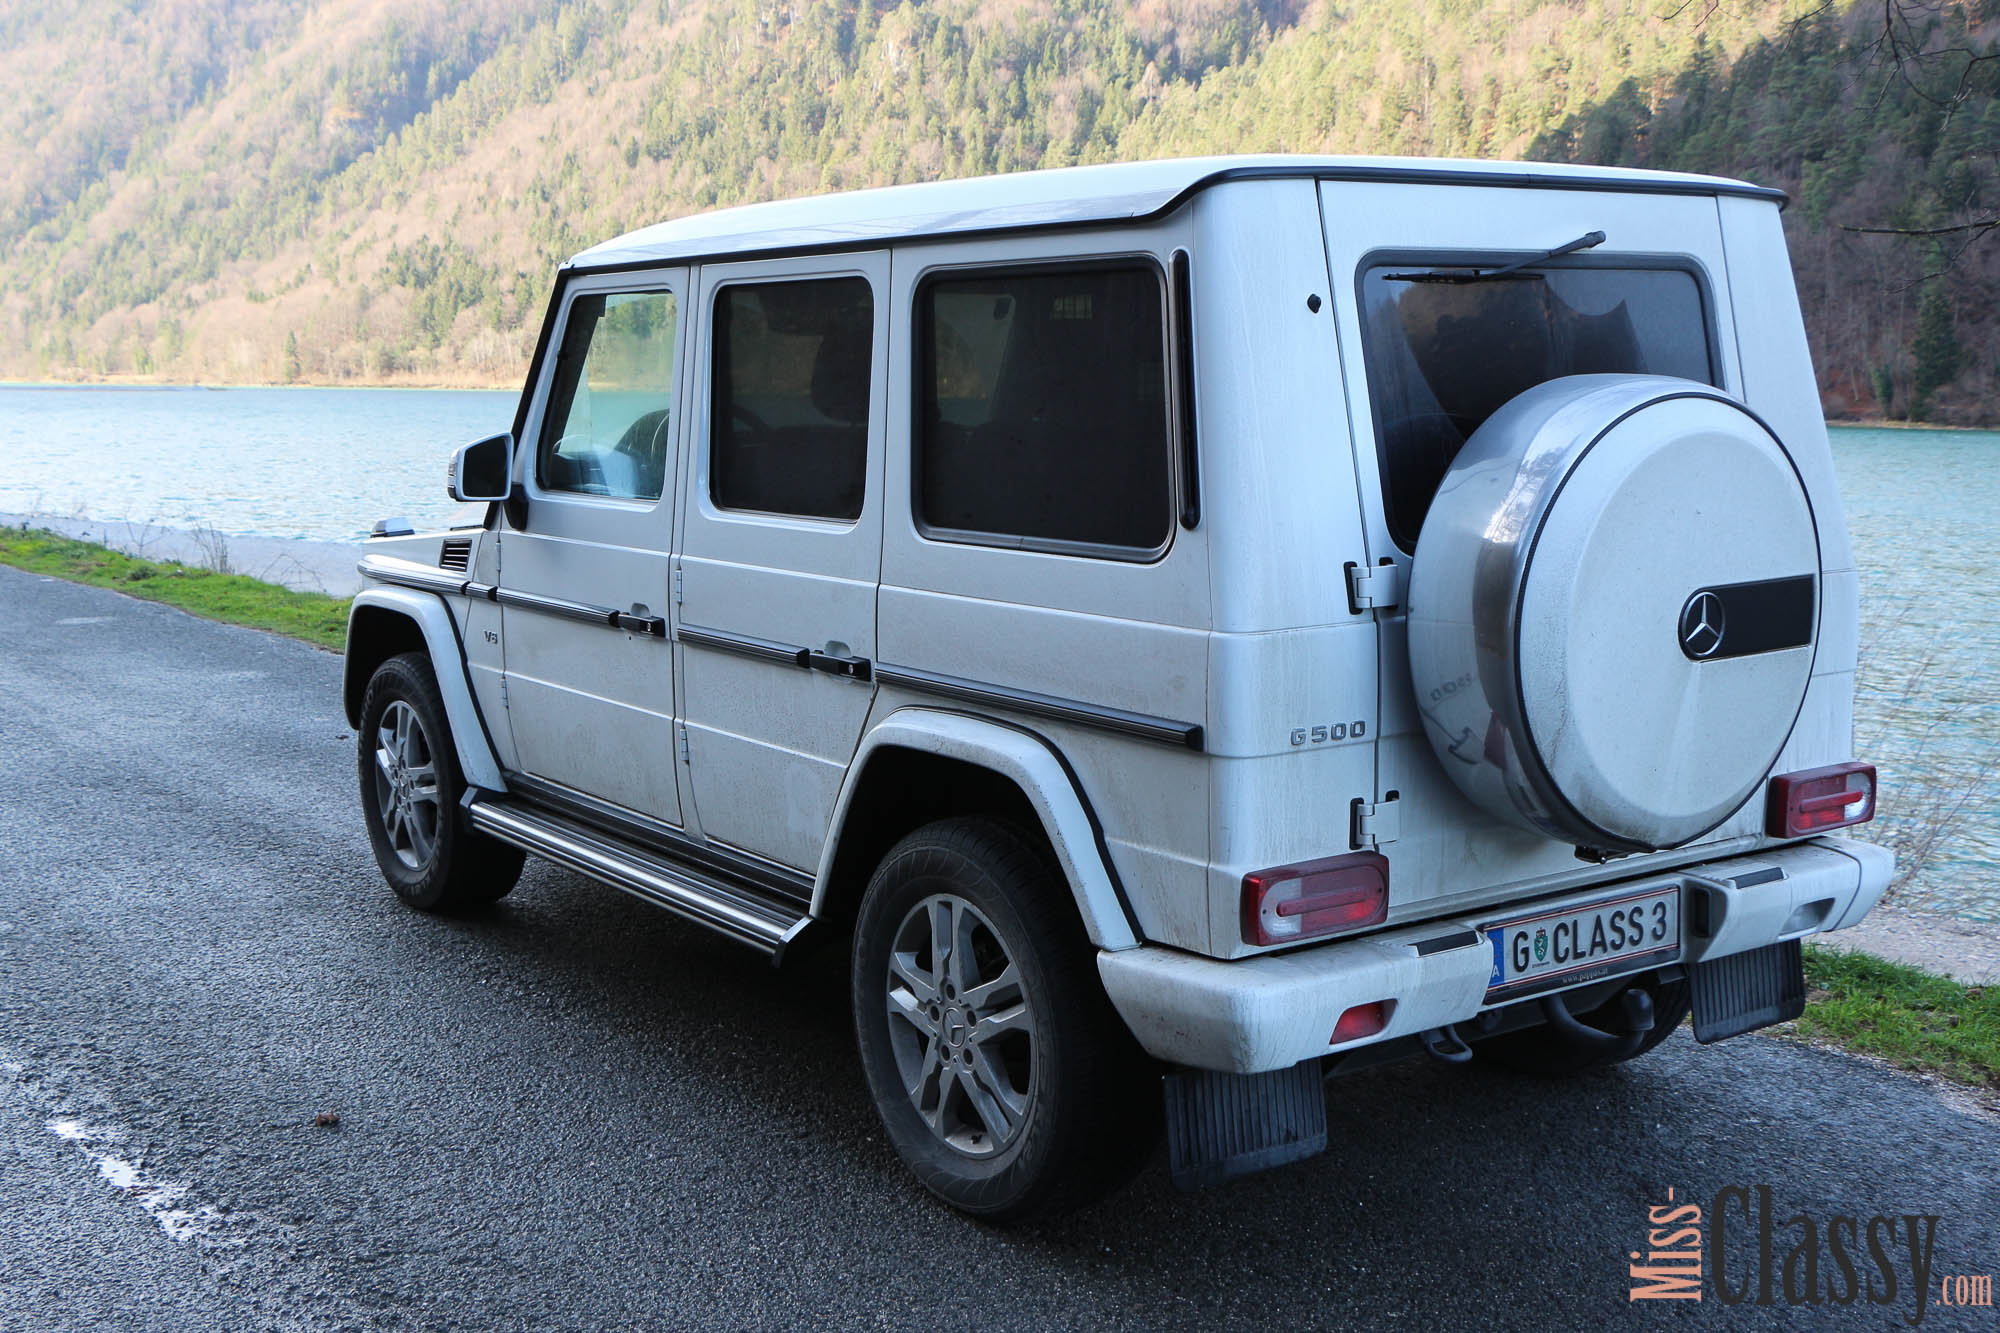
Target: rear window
[[1444, 350]]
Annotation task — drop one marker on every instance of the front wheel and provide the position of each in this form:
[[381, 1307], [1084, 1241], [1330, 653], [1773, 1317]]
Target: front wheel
[[410, 788], [1003, 1076]]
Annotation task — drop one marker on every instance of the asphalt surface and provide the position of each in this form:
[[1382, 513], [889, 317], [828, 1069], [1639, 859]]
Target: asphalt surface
[[576, 1112]]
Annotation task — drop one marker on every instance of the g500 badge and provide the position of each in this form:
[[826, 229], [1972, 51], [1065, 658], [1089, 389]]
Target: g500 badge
[[1332, 731]]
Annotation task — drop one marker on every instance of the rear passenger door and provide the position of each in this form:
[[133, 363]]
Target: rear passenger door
[[783, 545], [1043, 558]]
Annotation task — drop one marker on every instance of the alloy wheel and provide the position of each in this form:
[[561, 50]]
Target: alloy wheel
[[406, 785], [961, 1026]]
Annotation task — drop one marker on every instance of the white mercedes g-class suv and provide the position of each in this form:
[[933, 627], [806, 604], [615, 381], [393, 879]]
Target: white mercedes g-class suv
[[1195, 626]]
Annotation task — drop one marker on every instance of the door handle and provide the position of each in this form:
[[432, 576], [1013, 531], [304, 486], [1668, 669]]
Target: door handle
[[854, 668], [639, 622]]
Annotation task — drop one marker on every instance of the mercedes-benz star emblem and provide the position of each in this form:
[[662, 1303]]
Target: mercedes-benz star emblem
[[1702, 624]]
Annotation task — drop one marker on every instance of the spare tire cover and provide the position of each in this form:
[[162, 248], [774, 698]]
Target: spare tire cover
[[1613, 609]]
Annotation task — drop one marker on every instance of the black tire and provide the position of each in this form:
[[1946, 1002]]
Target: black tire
[[1541, 1050], [1089, 1097], [432, 861]]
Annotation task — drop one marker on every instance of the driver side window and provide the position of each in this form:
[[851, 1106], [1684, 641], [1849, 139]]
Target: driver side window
[[610, 409]]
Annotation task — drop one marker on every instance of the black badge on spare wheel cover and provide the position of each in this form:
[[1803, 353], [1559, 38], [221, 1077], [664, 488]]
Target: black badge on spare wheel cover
[[1739, 619]]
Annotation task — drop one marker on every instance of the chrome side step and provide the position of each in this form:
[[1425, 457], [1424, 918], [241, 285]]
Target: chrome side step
[[766, 924]]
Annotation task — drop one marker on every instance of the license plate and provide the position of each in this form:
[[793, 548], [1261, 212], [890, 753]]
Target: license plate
[[1573, 945]]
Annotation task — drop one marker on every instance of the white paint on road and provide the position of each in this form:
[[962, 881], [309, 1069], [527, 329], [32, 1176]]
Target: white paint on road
[[86, 620], [162, 1199]]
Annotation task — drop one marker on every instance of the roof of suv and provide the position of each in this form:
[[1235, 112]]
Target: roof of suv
[[1073, 196]]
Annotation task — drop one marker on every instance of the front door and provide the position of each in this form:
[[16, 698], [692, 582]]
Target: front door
[[585, 568], [783, 545]]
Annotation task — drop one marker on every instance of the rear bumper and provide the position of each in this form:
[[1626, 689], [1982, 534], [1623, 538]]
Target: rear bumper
[[1273, 1011]]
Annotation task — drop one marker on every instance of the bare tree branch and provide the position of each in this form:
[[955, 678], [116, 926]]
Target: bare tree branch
[[1941, 76], [1986, 225]]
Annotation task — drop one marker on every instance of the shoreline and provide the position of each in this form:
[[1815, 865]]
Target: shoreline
[[295, 563], [1883, 423], [135, 383], [513, 385]]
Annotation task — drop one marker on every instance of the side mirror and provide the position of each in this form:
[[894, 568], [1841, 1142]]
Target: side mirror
[[482, 470]]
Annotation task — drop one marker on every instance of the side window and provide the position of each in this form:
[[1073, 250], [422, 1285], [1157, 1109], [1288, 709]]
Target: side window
[[1044, 407], [790, 401], [606, 432]]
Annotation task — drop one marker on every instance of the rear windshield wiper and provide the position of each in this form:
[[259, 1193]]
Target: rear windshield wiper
[[1583, 242]]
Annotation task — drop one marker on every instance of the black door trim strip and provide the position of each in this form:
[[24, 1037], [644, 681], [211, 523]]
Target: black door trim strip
[[770, 650], [431, 578], [743, 645], [1166, 731]]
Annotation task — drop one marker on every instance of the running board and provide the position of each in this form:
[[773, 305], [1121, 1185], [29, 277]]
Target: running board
[[766, 924]]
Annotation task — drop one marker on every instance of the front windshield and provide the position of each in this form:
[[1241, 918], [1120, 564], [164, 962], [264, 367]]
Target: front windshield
[[1445, 349]]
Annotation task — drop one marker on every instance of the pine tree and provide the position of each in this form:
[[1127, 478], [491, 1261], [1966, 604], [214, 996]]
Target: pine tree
[[1936, 348]]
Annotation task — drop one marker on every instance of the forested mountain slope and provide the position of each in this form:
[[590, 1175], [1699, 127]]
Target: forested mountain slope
[[372, 191]]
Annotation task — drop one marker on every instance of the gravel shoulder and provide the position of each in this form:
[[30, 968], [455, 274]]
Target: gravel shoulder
[[1966, 951], [302, 566]]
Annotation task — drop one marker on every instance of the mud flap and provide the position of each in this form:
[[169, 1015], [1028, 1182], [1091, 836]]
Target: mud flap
[[1747, 991], [1224, 1126]]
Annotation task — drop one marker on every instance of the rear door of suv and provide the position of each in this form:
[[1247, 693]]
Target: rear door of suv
[[1428, 350]]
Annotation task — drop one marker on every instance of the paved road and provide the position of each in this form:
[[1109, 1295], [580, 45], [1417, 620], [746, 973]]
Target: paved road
[[577, 1113]]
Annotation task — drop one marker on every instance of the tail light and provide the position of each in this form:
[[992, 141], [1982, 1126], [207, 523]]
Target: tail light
[[1310, 898], [1819, 799]]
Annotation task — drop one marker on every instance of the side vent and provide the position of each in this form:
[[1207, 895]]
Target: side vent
[[457, 553]]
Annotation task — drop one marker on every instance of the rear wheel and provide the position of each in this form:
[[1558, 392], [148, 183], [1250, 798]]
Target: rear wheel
[[410, 789], [1003, 1076]]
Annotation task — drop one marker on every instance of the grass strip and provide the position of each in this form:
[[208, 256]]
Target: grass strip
[[235, 598], [1911, 1018]]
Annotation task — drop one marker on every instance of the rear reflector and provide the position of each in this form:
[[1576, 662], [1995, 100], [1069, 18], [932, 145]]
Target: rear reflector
[[1363, 1020], [1819, 799], [1310, 898]]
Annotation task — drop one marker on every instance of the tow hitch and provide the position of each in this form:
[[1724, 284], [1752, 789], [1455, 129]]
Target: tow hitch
[[1637, 1004], [1445, 1045]]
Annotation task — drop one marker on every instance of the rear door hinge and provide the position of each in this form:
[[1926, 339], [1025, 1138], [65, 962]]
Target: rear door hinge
[[1374, 588], [679, 588], [1370, 826], [681, 741]]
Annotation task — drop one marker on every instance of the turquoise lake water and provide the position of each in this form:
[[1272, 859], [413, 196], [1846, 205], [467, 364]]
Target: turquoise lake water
[[323, 464]]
